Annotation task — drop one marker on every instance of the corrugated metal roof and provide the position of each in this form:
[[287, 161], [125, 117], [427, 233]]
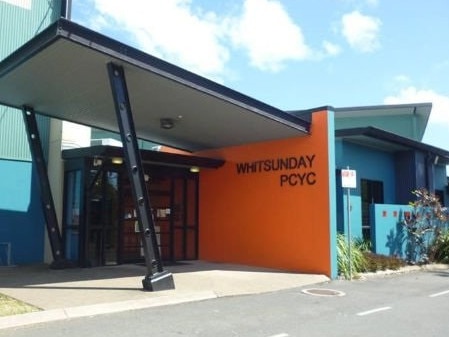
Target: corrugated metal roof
[[19, 24]]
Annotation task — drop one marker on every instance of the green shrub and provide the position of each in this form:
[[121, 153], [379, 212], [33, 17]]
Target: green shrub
[[363, 244], [423, 227], [363, 260], [375, 262], [441, 248], [357, 264]]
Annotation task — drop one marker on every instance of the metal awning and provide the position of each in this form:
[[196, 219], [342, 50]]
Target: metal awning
[[389, 142], [148, 156], [62, 73]]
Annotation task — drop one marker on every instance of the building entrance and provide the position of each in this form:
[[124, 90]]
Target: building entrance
[[173, 197], [100, 224]]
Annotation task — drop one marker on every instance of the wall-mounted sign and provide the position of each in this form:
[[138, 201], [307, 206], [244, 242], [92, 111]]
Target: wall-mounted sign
[[348, 179], [293, 171]]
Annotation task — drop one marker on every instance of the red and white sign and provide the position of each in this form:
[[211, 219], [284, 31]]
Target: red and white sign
[[348, 179]]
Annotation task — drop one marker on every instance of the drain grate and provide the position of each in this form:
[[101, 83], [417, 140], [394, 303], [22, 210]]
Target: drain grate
[[323, 292]]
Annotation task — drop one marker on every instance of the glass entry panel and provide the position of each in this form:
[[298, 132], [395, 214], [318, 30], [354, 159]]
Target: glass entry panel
[[103, 219], [72, 214], [185, 223], [174, 201]]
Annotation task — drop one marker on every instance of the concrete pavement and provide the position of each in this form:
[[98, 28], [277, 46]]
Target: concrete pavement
[[80, 292]]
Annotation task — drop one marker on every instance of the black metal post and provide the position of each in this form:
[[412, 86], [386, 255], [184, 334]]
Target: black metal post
[[48, 205], [156, 278]]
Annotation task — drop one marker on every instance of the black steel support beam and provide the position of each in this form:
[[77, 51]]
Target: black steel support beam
[[156, 278], [48, 205]]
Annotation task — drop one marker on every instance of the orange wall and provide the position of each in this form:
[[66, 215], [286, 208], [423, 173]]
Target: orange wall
[[251, 219]]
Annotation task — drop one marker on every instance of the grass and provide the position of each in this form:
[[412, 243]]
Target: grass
[[11, 306]]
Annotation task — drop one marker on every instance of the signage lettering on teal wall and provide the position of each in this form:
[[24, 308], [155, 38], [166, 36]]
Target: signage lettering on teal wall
[[301, 165]]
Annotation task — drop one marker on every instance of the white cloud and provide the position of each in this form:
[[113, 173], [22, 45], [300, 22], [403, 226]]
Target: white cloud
[[170, 29], [331, 49], [361, 31], [269, 35], [184, 34], [436, 132]]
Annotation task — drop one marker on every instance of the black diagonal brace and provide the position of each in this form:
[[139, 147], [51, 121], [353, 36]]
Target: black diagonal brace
[[156, 278], [48, 206]]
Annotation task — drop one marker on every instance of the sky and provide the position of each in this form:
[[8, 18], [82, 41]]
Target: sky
[[297, 54]]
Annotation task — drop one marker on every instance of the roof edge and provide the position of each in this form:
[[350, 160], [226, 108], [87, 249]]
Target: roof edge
[[147, 156], [85, 36], [392, 138], [384, 106]]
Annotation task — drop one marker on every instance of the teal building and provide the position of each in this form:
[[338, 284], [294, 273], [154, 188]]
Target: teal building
[[20, 205]]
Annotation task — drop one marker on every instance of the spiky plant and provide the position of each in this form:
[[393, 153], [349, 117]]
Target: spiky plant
[[350, 258]]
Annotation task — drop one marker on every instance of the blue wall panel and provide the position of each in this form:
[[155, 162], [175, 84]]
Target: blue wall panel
[[356, 216], [369, 164], [389, 235], [332, 197], [441, 182], [21, 218]]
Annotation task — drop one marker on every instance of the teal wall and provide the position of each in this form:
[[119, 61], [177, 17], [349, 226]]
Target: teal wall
[[21, 220], [369, 164], [441, 182], [388, 235], [18, 25], [404, 125], [355, 213], [332, 197]]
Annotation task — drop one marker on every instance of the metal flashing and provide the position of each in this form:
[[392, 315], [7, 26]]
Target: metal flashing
[[374, 137], [148, 156]]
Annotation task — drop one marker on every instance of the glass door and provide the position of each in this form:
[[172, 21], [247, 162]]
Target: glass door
[[72, 212], [174, 201], [102, 219], [185, 218]]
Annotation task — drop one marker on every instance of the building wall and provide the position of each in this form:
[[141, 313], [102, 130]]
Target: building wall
[[21, 20], [401, 173], [389, 235], [441, 182], [370, 164], [283, 219], [21, 219], [417, 170], [404, 125]]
